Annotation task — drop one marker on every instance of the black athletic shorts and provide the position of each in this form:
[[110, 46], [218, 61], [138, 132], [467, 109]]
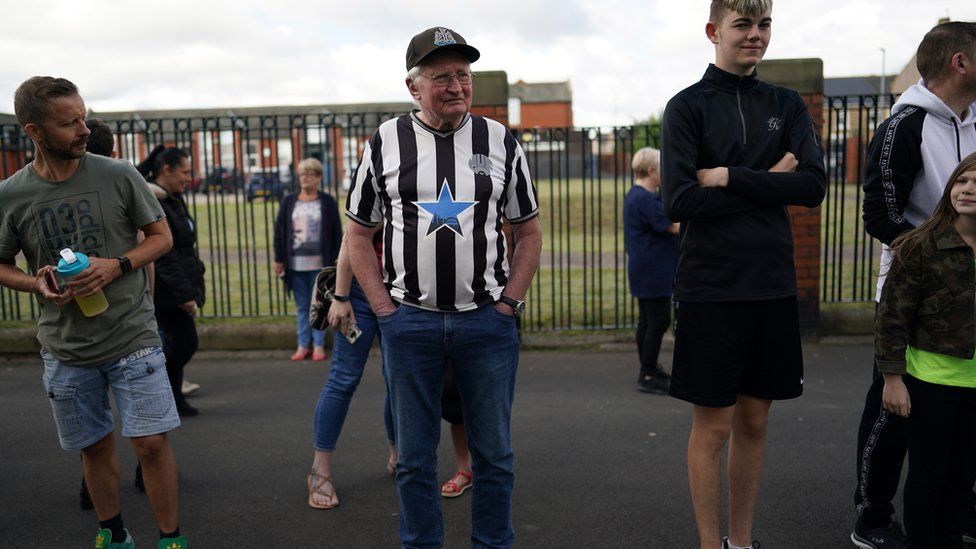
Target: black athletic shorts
[[722, 350]]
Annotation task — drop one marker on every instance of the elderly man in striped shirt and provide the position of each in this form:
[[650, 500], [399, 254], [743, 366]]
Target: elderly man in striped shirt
[[443, 181]]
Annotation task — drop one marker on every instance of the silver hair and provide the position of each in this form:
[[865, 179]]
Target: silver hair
[[414, 73]]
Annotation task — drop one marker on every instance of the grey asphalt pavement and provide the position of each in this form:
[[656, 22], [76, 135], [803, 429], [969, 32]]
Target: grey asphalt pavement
[[598, 464]]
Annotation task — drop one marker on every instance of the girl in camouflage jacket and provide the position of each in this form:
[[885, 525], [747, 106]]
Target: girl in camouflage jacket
[[925, 341]]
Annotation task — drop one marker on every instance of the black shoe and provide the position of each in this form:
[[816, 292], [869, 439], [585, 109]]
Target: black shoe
[[659, 371], [653, 384], [185, 409], [84, 497], [141, 486], [889, 536], [969, 528]]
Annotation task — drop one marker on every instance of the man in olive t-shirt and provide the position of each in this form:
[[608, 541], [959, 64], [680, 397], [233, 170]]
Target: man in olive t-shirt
[[66, 198]]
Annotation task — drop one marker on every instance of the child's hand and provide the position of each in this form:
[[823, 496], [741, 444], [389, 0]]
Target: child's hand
[[895, 398]]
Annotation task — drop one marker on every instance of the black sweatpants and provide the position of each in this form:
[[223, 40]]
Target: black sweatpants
[[179, 334], [654, 317], [881, 448], [941, 463]]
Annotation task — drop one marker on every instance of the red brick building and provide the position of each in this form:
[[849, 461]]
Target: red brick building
[[540, 105]]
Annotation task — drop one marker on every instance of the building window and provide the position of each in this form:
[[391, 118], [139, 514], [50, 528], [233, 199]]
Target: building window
[[514, 111]]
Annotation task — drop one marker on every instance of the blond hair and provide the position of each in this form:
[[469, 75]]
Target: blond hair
[[310, 165], [749, 8], [645, 159]]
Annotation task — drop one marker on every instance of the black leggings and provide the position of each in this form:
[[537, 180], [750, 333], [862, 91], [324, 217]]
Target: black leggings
[[179, 334], [941, 463], [652, 322]]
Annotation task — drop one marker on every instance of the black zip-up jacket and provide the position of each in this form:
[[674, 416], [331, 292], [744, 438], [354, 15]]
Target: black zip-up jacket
[[736, 242], [179, 272]]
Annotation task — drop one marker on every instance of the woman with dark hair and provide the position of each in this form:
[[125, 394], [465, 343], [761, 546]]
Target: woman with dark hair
[[925, 346], [307, 236], [179, 291]]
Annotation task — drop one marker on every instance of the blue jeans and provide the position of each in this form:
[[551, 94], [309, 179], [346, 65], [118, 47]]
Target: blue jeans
[[483, 346], [303, 284], [348, 360]]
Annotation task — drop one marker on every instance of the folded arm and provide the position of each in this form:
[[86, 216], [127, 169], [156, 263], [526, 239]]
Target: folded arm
[[684, 198], [805, 185]]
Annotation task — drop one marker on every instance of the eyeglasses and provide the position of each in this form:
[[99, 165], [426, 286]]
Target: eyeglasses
[[444, 80]]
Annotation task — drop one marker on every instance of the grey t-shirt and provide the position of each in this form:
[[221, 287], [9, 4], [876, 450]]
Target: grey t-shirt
[[97, 211]]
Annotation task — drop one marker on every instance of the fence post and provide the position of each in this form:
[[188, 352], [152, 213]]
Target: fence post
[[806, 77]]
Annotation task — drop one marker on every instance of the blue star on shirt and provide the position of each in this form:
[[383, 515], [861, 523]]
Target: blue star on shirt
[[445, 212]]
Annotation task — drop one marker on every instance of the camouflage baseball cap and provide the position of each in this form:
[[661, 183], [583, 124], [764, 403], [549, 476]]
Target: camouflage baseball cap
[[438, 39]]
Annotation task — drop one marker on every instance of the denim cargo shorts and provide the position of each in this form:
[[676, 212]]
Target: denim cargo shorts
[[80, 397]]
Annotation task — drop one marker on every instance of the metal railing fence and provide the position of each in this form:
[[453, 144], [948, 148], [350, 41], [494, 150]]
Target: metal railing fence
[[581, 174], [851, 257]]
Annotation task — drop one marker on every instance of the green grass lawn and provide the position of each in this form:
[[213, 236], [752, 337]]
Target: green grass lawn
[[582, 236], [850, 257]]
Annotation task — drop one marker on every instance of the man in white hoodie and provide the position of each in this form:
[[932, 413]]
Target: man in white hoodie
[[931, 128]]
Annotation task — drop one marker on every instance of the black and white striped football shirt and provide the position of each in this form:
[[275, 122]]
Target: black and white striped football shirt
[[443, 196]]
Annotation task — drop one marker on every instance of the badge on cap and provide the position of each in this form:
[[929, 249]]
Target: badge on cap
[[443, 37]]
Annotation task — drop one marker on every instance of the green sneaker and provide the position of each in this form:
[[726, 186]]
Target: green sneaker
[[172, 543], [103, 540]]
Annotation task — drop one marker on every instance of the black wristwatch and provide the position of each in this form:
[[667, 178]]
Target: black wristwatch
[[340, 298], [518, 307], [124, 264]]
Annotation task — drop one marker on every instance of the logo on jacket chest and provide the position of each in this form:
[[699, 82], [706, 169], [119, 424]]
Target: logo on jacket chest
[[774, 123]]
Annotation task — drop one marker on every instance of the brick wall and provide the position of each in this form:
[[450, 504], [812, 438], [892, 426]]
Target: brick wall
[[10, 163], [546, 115], [806, 242], [856, 154], [498, 113], [806, 77]]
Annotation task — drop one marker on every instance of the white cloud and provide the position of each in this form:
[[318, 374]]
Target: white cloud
[[625, 57]]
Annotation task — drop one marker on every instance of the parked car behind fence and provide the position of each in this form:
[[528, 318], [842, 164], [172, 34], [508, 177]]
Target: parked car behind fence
[[220, 180], [267, 185]]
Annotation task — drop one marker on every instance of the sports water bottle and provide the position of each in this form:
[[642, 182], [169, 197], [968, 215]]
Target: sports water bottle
[[69, 266]]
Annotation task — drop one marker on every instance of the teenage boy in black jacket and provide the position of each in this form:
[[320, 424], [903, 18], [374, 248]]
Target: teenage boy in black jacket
[[735, 152]]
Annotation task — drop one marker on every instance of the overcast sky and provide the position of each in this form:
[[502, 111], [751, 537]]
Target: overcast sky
[[625, 58]]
